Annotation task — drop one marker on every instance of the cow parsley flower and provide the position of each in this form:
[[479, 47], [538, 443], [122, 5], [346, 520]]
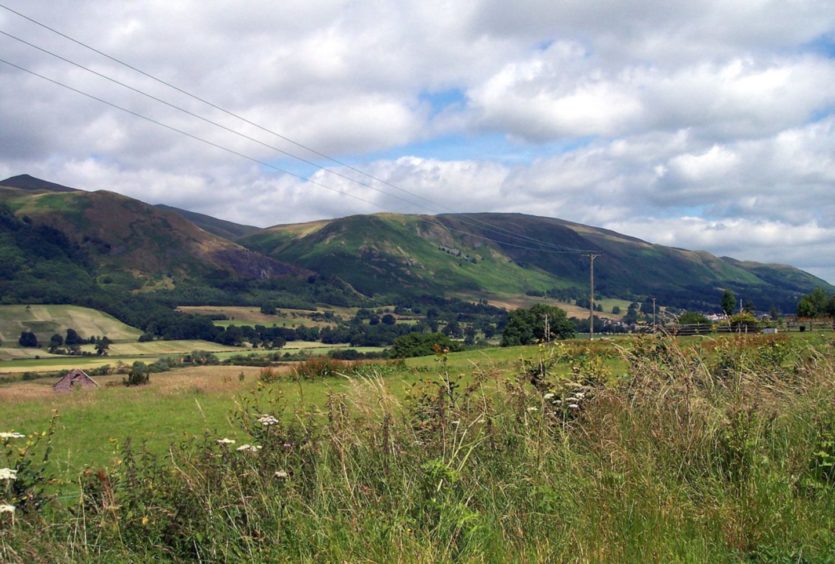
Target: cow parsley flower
[[533, 409], [8, 474], [281, 474], [12, 435], [573, 406], [267, 420], [548, 396], [225, 441], [248, 448], [5, 508]]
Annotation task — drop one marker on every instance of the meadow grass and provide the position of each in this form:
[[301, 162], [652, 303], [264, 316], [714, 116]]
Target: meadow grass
[[721, 450]]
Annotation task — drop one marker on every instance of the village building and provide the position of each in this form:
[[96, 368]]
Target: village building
[[75, 378]]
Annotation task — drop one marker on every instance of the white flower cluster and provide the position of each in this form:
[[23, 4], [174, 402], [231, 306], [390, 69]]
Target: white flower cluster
[[12, 435], [267, 420], [5, 508], [281, 474], [571, 401], [249, 448], [8, 474], [225, 441]]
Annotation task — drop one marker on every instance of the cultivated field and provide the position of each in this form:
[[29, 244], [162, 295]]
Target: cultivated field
[[242, 315], [47, 320]]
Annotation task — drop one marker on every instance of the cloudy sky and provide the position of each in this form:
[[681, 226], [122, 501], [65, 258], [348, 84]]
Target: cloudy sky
[[701, 124]]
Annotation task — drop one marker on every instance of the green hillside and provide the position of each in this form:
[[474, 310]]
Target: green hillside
[[512, 253]]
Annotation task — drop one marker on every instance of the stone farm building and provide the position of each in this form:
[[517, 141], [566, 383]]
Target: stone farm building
[[75, 378]]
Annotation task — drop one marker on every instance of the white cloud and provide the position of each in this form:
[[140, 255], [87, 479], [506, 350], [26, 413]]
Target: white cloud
[[705, 124]]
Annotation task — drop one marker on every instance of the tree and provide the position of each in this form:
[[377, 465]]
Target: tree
[[526, 326], [420, 344], [28, 339], [388, 319], [102, 346], [813, 304], [268, 309], [728, 302], [73, 338], [631, 316], [56, 342], [692, 318], [453, 329], [616, 310]]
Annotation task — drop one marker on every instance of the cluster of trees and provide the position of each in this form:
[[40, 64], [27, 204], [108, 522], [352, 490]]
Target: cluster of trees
[[69, 344], [422, 344], [816, 304], [526, 326]]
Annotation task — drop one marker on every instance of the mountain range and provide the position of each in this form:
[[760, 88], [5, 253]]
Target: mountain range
[[146, 248]]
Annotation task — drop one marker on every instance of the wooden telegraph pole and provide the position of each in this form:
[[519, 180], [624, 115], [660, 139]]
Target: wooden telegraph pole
[[591, 256]]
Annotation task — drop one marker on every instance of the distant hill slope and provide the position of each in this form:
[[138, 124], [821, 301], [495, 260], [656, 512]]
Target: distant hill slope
[[475, 253], [221, 228], [67, 243], [123, 235]]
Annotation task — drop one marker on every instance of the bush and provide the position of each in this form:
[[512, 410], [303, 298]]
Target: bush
[[139, 375], [420, 344]]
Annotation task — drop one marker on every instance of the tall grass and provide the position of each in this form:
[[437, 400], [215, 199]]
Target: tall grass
[[688, 456]]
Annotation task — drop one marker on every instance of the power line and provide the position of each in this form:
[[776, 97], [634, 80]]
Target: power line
[[489, 226], [182, 132], [248, 157]]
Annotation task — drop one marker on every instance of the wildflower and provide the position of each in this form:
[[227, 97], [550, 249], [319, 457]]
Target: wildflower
[[5, 508], [12, 435], [579, 395], [573, 406], [267, 420], [287, 445], [281, 474], [225, 441], [456, 422], [548, 396], [533, 409], [8, 474], [248, 448]]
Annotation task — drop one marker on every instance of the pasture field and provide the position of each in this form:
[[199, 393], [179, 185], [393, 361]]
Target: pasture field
[[511, 302], [47, 320], [286, 317], [716, 449], [200, 399]]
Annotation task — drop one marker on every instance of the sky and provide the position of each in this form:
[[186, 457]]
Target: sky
[[699, 124]]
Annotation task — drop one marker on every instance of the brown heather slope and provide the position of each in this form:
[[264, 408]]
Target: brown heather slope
[[124, 234]]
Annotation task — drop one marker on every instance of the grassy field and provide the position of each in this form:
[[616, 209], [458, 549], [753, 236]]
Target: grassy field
[[201, 398], [243, 315], [47, 320], [511, 302], [631, 450]]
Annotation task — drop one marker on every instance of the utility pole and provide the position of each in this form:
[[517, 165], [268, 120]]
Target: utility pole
[[591, 256], [654, 317]]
